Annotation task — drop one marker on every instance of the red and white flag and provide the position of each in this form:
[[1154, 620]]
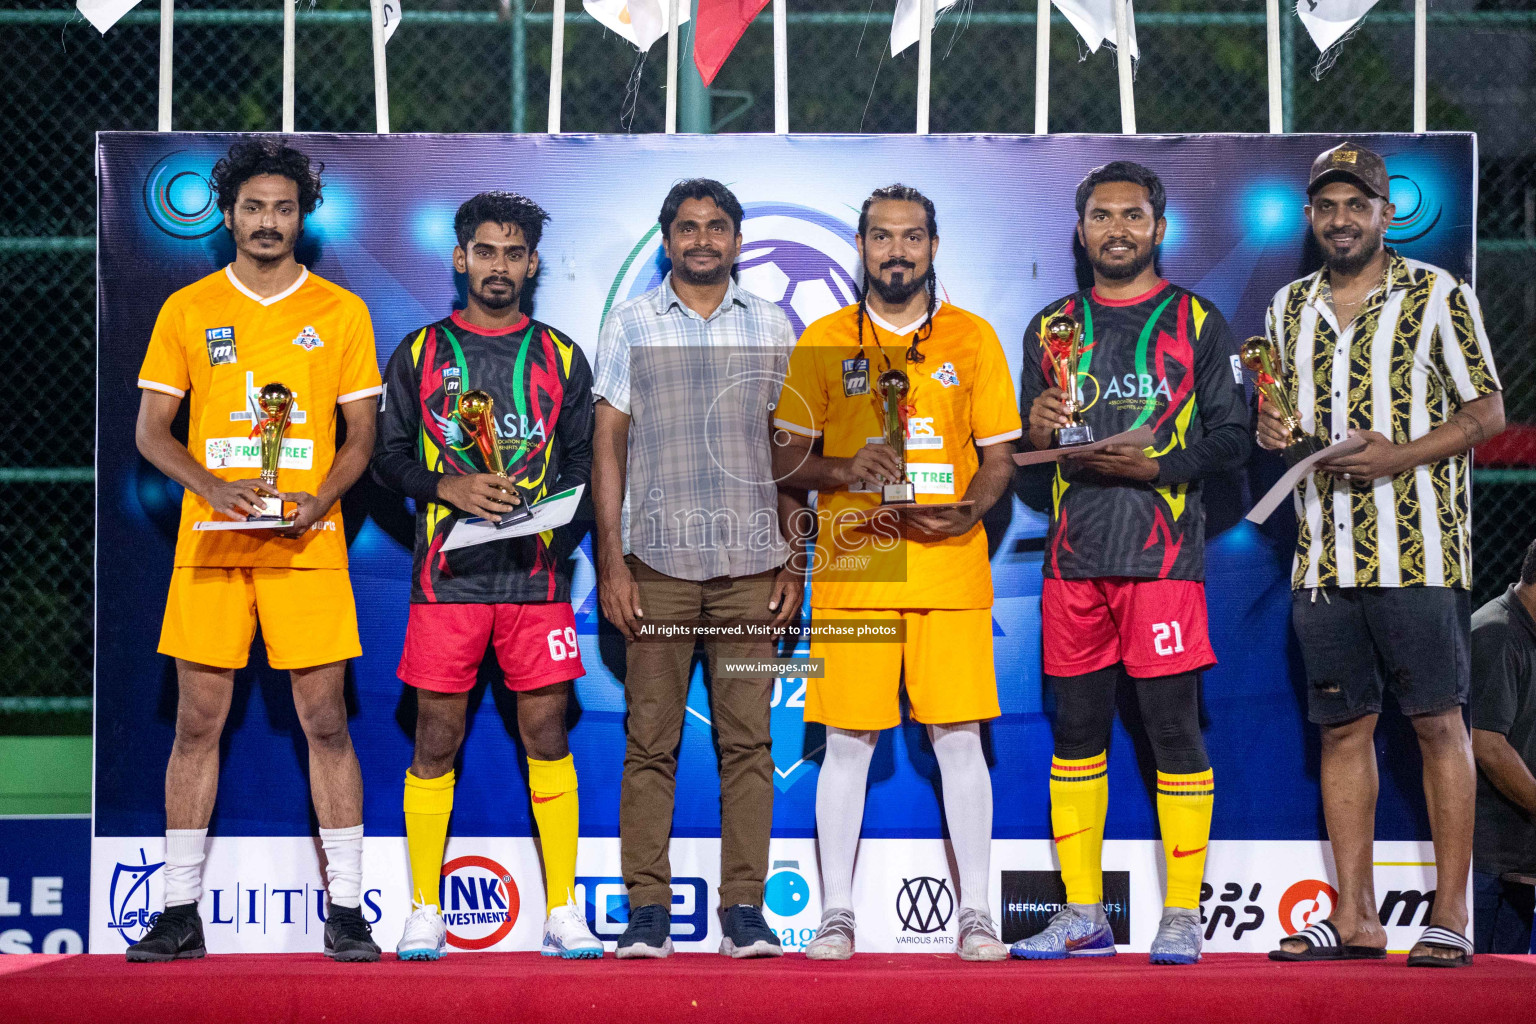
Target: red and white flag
[[718, 30], [642, 22]]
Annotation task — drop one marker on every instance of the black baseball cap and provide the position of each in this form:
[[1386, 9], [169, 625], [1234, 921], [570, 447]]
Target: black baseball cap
[[1354, 164]]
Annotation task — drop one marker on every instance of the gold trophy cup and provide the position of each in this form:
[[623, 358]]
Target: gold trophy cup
[[1259, 356], [893, 386], [275, 403], [477, 413], [1064, 345]]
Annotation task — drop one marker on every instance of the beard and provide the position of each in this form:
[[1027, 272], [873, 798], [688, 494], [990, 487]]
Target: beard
[[721, 271], [497, 301], [1123, 271], [897, 292], [1351, 263], [247, 244]]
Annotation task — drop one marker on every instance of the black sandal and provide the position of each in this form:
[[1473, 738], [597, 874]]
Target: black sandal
[[1324, 943], [1436, 937]]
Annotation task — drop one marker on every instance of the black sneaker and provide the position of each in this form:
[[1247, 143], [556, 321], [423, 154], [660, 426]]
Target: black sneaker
[[648, 934], [348, 938], [177, 934], [747, 934]]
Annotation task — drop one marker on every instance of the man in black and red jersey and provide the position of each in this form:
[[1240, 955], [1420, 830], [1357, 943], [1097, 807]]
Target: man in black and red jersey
[[514, 594], [1125, 553]]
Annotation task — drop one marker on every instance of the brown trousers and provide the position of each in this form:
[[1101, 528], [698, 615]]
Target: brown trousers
[[656, 694]]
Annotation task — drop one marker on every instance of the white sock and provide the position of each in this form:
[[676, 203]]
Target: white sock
[[967, 806], [344, 864], [184, 865], [840, 811]]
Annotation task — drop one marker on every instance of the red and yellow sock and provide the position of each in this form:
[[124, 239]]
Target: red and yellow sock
[[552, 785], [1079, 801], [428, 806], [1184, 805]]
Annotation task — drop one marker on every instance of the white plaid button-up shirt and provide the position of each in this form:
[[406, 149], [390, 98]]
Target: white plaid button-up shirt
[[701, 500]]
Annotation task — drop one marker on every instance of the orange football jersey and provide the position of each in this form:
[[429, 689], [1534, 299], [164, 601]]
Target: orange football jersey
[[960, 397], [219, 342]]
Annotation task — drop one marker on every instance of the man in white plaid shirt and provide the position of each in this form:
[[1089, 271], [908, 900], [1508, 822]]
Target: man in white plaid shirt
[[688, 530]]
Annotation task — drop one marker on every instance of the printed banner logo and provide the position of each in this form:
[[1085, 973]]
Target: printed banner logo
[[1306, 903], [605, 902], [924, 905], [1032, 898], [128, 899], [1232, 903], [479, 900], [179, 198]]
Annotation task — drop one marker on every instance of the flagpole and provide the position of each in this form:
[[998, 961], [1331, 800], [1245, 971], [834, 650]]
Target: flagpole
[[556, 64], [1123, 54], [1420, 70], [780, 67], [924, 63], [1042, 67], [380, 78], [1272, 45], [288, 45], [673, 6], [167, 18]]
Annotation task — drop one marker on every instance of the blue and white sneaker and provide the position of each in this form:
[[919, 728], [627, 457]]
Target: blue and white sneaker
[[1178, 937], [566, 935], [1070, 933], [425, 936]]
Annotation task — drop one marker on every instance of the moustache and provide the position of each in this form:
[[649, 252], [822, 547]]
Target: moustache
[[905, 264], [702, 251], [496, 280], [275, 236]]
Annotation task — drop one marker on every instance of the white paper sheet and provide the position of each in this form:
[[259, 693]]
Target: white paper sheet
[[1286, 484], [555, 510]]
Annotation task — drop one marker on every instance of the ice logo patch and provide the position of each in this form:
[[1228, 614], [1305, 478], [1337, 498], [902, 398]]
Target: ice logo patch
[[801, 259], [128, 899]]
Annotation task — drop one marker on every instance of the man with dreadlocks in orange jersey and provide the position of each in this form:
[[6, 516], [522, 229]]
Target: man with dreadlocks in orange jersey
[[929, 573]]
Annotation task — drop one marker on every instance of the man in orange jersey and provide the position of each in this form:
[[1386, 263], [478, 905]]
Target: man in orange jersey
[[263, 319], [930, 573]]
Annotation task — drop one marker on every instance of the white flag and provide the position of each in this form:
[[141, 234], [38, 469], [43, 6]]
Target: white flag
[[1328, 21], [642, 22], [1095, 21], [105, 13], [906, 25], [394, 10]]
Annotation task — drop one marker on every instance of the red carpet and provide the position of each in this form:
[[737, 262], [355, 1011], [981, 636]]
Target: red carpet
[[872, 989]]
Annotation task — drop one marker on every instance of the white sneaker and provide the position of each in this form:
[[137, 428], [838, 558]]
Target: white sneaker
[[978, 937], [566, 935], [834, 939], [425, 937]]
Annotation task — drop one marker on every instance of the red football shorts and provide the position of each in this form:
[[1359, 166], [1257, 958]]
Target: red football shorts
[[445, 643], [1156, 627]]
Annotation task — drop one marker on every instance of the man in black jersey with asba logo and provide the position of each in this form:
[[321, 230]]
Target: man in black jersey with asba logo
[[1124, 559], [511, 595]]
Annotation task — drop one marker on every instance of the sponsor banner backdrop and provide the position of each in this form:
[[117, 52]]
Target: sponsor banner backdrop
[[1005, 210], [44, 883]]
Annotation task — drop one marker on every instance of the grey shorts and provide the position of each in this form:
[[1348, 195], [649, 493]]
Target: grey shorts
[[1357, 642]]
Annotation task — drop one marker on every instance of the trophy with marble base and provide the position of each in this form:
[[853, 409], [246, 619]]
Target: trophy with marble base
[[477, 413], [1258, 355], [1064, 346], [275, 403]]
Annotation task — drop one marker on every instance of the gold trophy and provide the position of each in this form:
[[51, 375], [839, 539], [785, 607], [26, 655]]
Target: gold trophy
[[1064, 345], [1259, 356], [893, 386], [275, 403], [477, 412]]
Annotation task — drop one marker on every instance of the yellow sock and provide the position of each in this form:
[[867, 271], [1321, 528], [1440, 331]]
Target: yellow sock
[[1184, 805], [1079, 801], [428, 805], [552, 784]]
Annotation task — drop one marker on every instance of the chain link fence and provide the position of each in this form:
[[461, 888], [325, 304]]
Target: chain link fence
[[471, 66]]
